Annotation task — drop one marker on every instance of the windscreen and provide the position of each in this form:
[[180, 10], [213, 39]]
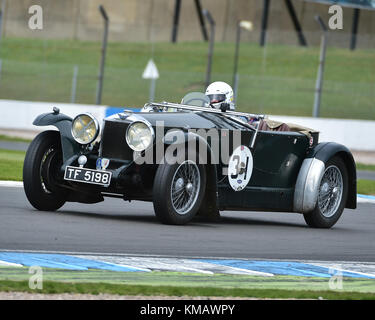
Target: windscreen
[[197, 99]]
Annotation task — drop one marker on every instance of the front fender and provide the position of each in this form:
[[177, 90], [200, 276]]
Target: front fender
[[64, 124], [312, 170], [50, 118], [192, 140]]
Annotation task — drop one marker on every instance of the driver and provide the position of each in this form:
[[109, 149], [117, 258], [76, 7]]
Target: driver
[[220, 92]]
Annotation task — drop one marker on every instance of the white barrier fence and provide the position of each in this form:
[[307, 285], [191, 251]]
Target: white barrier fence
[[355, 134], [21, 114]]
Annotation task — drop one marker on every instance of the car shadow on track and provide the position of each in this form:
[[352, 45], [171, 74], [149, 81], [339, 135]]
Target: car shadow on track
[[196, 222], [148, 218], [259, 222]]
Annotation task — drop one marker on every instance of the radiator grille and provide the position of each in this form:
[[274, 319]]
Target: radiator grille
[[113, 142]]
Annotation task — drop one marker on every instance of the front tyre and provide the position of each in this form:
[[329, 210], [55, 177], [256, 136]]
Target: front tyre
[[332, 195], [41, 172], [178, 191]]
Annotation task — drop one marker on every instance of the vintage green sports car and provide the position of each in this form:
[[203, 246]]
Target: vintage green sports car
[[189, 159]]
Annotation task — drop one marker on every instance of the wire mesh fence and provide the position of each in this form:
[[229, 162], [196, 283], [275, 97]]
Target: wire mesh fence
[[275, 79]]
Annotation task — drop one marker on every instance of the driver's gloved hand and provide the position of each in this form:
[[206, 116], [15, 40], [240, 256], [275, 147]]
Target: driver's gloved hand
[[224, 107]]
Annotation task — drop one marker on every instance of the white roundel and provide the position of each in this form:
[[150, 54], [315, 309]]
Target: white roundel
[[240, 168]]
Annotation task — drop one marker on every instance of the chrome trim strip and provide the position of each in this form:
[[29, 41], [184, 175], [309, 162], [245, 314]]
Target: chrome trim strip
[[101, 138], [204, 109], [255, 136]]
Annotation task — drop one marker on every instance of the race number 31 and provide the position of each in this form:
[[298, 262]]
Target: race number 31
[[240, 168]]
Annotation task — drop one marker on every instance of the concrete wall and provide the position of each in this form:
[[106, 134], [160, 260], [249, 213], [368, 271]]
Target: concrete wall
[[145, 20]]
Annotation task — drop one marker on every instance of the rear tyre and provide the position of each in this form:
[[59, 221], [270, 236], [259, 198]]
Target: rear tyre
[[332, 195], [178, 191], [41, 168]]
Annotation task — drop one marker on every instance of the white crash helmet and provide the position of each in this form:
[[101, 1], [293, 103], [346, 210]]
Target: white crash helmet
[[220, 92]]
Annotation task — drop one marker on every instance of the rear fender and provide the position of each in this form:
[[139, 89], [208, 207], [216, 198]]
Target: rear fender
[[64, 124], [330, 149], [312, 170]]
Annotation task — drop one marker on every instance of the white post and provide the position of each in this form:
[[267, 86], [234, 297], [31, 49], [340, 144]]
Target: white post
[[151, 72], [152, 89]]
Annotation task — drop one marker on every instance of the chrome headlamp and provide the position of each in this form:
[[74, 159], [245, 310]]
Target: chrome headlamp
[[139, 135], [85, 128]]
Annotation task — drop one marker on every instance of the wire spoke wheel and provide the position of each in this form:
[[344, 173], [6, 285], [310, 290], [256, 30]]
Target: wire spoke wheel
[[330, 191], [185, 187]]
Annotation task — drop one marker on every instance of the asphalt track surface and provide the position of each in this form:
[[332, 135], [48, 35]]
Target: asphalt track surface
[[118, 227]]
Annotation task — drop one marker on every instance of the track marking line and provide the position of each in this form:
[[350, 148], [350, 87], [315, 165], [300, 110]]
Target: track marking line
[[364, 198], [61, 261], [151, 263], [9, 264], [290, 268], [137, 255], [353, 268], [265, 268], [11, 184]]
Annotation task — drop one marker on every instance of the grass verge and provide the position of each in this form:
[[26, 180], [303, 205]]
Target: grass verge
[[278, 79], [366, 187], [94, 281], [365, 167], [53, 287], [4, 137], [11, 164]]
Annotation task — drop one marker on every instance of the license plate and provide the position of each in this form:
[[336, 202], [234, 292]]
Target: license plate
[[98, 177]]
